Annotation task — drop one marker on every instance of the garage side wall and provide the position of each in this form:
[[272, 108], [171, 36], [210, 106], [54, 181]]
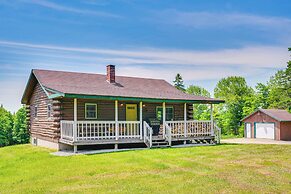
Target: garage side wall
[[285, 133], [260, 117]]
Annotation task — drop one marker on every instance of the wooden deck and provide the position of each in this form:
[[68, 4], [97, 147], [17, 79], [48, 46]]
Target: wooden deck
[[103, 141], [129, 132]]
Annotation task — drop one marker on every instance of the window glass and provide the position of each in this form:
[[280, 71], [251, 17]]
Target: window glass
[[169, 113], [91, 111], [160, 113]]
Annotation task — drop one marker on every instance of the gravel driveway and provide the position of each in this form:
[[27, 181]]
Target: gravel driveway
[[254, 141]]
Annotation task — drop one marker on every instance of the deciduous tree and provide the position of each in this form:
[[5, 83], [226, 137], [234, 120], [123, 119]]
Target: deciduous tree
[[234, 90], [20, 132], [200, 111], [6, 125], [280, 89]]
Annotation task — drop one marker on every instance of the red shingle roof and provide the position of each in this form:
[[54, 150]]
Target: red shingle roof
[[278, 114], [96, 84]]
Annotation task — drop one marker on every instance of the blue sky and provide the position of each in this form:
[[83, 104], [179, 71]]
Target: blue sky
[[203, 40]]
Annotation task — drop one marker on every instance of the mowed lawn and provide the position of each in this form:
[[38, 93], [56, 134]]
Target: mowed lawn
[[208, 169]]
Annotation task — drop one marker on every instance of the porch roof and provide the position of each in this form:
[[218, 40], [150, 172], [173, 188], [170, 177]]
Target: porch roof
[[88, 85]]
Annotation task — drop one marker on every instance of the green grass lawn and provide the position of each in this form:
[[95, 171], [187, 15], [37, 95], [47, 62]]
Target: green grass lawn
[[208, 169]]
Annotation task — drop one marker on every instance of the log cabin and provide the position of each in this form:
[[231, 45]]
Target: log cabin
[[69, 109]]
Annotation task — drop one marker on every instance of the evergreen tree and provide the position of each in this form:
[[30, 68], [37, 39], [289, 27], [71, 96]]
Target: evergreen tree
[[179, 83]]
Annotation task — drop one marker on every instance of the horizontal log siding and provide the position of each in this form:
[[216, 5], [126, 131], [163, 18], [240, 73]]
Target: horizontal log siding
[[106, 110], [42, 126]]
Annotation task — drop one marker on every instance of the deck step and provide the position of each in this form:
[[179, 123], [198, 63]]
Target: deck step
[[160, 146], [160, 143]]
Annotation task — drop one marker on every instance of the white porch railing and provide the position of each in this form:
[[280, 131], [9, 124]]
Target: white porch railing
[[129, 129], [104, 130], [99, 130], [193, 128]]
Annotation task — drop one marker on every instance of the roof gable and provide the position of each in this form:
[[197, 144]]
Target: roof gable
[[277, 114]]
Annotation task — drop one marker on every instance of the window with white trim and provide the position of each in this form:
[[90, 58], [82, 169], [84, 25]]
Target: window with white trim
[[90, 111], [169, 113]]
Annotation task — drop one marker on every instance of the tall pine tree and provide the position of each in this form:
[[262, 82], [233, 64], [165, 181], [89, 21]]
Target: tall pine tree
[[179, 83]]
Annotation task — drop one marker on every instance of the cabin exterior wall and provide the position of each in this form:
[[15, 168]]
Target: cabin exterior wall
[[41, 124]]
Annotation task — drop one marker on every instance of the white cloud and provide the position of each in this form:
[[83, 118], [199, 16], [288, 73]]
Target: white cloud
[[168, 73], [217, 19], [59, 7], [252, 62], [251, 56]]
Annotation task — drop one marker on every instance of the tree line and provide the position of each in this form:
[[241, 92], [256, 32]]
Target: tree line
[[241, 99], [13, 127]]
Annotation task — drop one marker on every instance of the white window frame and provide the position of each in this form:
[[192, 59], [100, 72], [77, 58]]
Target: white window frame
[[171, 107], [95, 104]]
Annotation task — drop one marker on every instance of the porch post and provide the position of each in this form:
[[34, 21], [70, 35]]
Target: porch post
[[75, 124], [116, 120], [211, 118], [185, 120], [164, 119], [140, 119]]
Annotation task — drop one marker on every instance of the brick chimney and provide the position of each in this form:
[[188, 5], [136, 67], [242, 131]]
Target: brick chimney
[[110, 73]]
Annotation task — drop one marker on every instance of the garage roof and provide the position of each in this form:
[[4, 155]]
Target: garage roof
[[278, 114]]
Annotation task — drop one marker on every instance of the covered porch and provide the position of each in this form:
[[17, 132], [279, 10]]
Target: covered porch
[[136, 126]]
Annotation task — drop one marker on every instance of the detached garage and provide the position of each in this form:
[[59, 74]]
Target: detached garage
[[268, 124]]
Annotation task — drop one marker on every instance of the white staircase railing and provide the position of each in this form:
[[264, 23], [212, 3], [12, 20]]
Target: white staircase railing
[[168, 134], [217, 133], [67, 130], [148, 131]]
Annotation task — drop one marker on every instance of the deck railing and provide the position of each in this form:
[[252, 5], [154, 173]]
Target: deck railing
[[106, 130], [99, 130], [190, 128], [129, 129]]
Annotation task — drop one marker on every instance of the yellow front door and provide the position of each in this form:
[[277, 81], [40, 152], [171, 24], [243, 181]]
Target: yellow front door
[[131, 112]]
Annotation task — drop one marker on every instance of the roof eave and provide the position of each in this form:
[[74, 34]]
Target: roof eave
[[67, 95], [28, 84]]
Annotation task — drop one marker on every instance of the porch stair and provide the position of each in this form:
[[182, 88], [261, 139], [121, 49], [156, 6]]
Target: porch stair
[[160, 143]]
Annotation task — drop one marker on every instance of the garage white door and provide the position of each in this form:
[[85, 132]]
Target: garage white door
[[248, 130], [265, 130]]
